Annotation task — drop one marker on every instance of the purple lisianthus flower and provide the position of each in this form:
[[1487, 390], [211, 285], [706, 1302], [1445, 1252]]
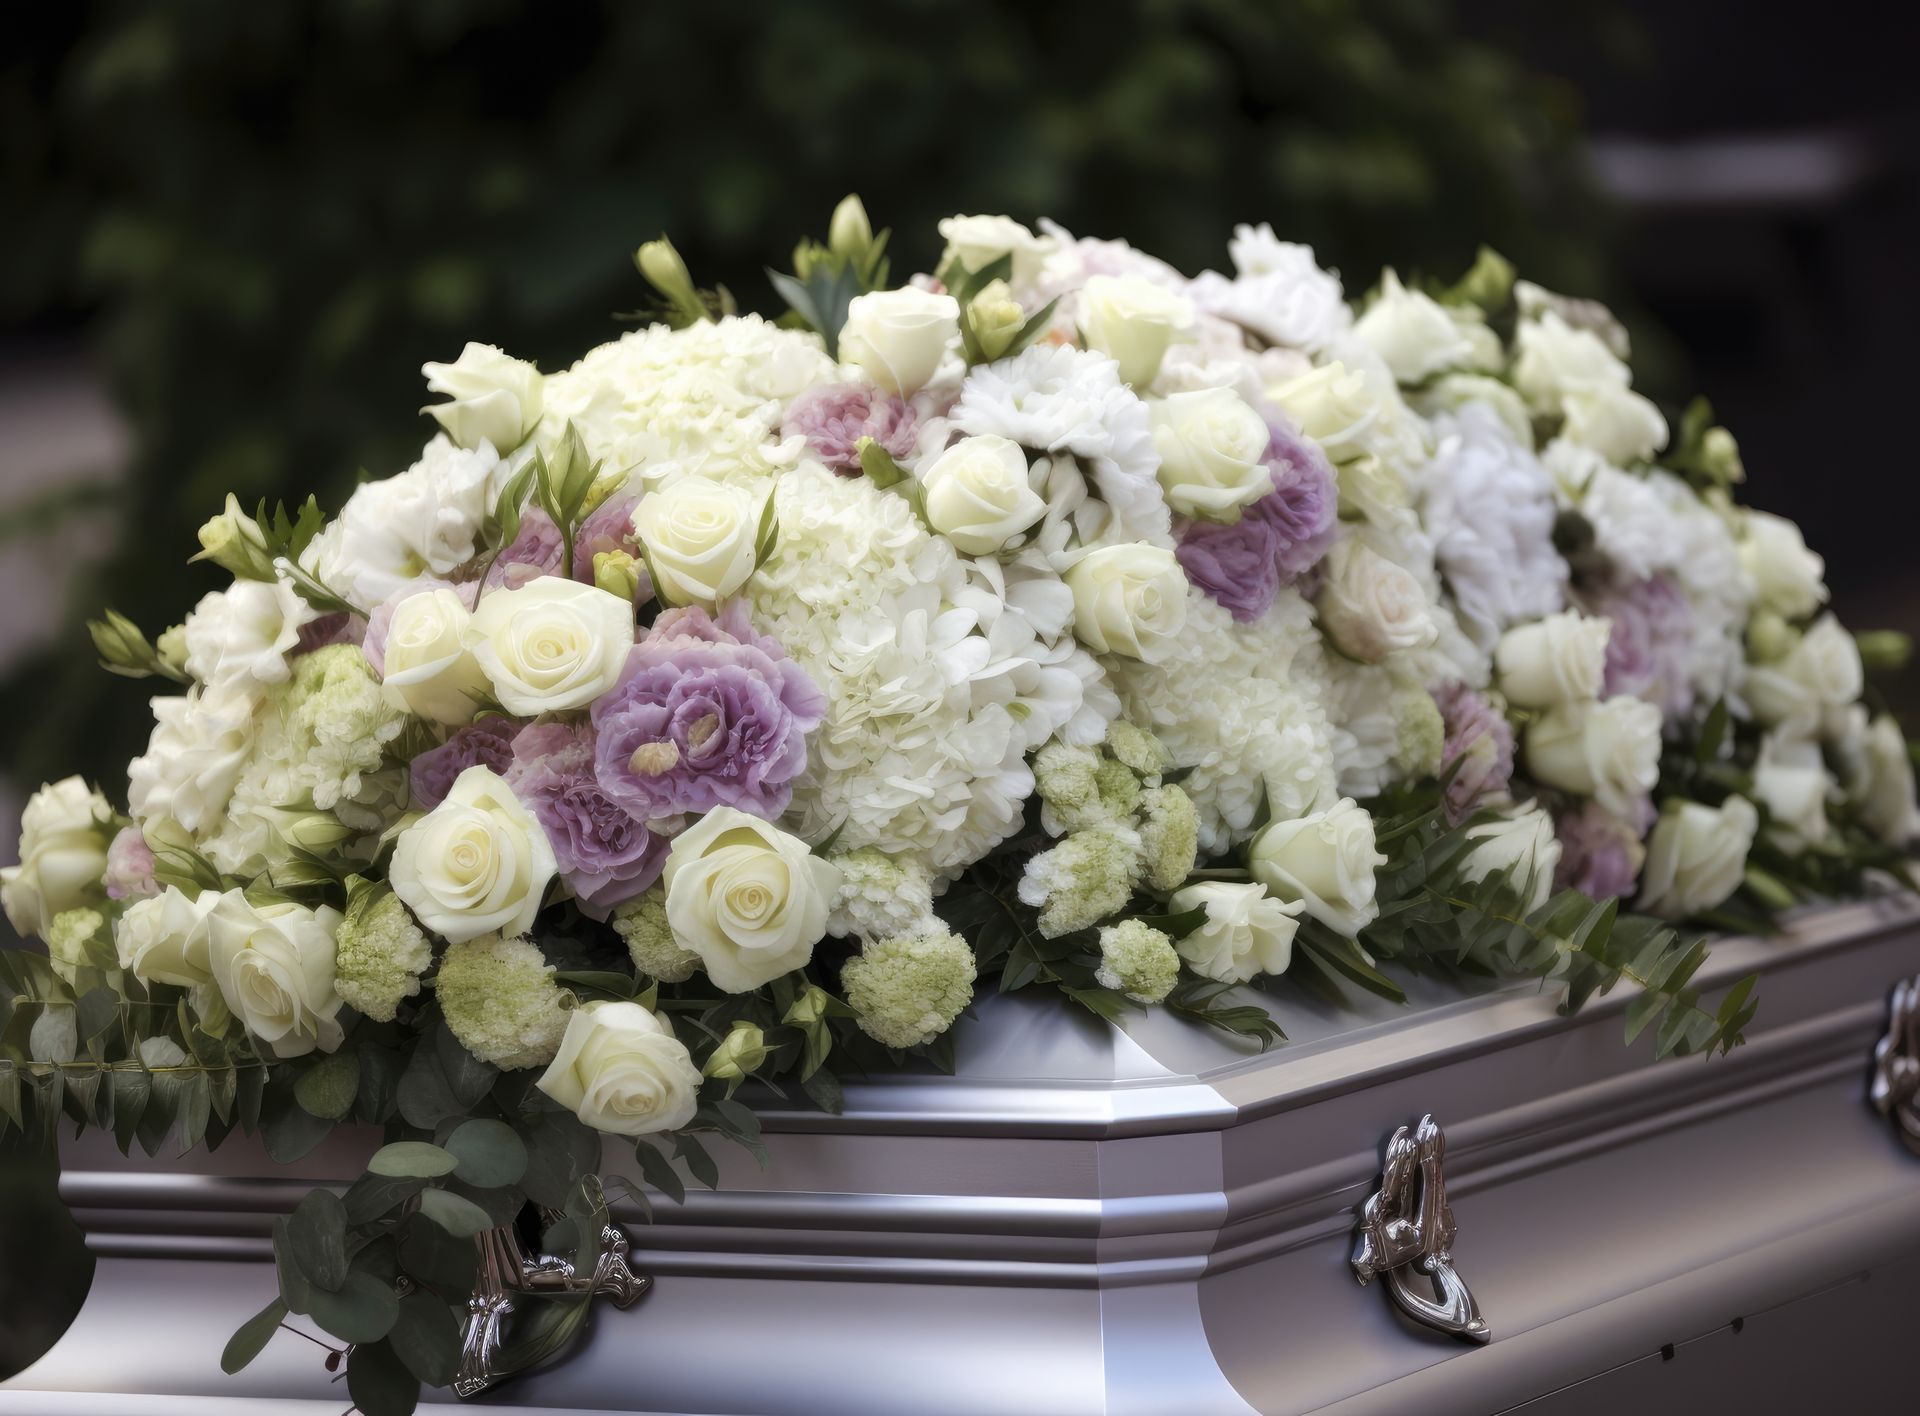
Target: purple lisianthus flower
[[1650, 643], [487, 743], [834, 417], [1600, 855], [707, 713], [1277, 539], [604, 853], [129, 873], [1481, 741]]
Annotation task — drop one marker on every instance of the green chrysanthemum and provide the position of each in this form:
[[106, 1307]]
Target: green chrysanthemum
[[499, 999], [1088, 876], [656, 953], [1137, 959], [380, 953], [1169, 836], [907, 990]]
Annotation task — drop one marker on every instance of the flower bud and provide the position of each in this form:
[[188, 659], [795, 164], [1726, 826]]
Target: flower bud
[[666, 272], [1720, 455], [232, 541], [172, 648], [317, 831], [740, 1052], [809, 1008], [995, 318], [850, 233], [1769, 637], [617, 573]]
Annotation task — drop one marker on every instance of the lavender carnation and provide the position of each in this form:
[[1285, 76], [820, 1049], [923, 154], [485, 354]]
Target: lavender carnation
[[605, 854], [1237, 565], [1600, 855], [834, 417], [707, 714], [487, 743], [1481, 741], [1276, 540], [1649, 646]]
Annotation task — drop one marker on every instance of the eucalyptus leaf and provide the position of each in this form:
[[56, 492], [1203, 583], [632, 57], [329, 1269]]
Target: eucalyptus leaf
[[426, 1336], [412, 1159], [317, 1234], [488, 1153], [379, 1381], [364, 1310], [327, 1088], [252, 1337], [461, 1218]]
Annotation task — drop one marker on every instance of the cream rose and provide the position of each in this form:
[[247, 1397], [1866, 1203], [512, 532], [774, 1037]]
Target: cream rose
[[1128, 600], [1882, 785], [1808, 690], [1615, 422], [1609, 751], [1560, 659], [275, 968], [1133, 322], [1696, 856], [1791, 780], [700, 537], [1552, 357], [1788, 578], [978, 241], [551, 644], [163, 938], [748, 898], [63, 855], [1247, 931], [494, 398], [621, 1070], [1333, 405], [1212, 450], [1520, 847], [978, 495], [1326, 861], [1370, 607], [898, 337], [431, 671], [476, 864], [1413, 333]]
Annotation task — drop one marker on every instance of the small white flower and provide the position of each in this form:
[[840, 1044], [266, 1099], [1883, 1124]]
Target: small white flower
[[63, 855], [1609, 751], [1212, 450], [1788, 578], [978, 495], [1326, 861], [1128, 600], [1521, 842], [274, 964], [1560, 659], [748, 898], [493, 398], [1133, 321], [621, 1070], [700, 537], [1370, 607], [478, 863], [239, 638]]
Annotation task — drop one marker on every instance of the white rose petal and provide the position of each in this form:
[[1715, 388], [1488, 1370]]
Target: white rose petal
[[1246, 932], [1326, 861], [63, 855], [1882, 786], [478, 863], [1809, 690], [748, 898], [979, 496], [1522, 843], [1552, 357], [1791, 780], [1212, 450], [1133, 321], [978, 241], [1615, 422], [1413, 332], [163, 938], [1787, 578], [621, 1070], [1334, 405], [898, 337], [1696, 856], [430, 667], [1370, 607], [1559, 659], [551, 644], [495, 399], [1129, 599], [1609, 751], [275, 968]]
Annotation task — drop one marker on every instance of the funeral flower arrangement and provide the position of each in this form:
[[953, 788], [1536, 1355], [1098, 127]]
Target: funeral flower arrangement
[[740, 702]]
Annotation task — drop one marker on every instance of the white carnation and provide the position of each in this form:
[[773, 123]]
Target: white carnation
[[1279, 292], [240, 637]]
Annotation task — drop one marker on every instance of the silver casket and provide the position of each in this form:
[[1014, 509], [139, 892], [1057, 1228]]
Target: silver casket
[[1153, 1221]]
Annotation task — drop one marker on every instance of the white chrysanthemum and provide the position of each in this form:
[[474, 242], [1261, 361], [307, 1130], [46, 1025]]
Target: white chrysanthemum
[[1068, 402], [1632, 524], [1488, 506], [1279, 292], [1239, 707], [708, 398], [880, 896], [1718, 592]]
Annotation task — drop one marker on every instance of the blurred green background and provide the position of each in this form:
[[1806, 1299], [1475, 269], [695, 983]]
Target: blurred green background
[[236, 231]]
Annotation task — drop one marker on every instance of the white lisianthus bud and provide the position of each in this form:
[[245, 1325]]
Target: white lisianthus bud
[[430, 670], [1133, 322], [1129, 599], [494, 398], [1609, 751], [1412, 332], [1792, 782], [898, 337], [1613, 420], [978, 494], [1805, 692], [1212, 450], [1522, 843], [700, 539], [478, 863], [163, 938], [621, 1070], [976, 242], [1370, 607], [1788, 578], [551, 644], [1326, 861], [850, 233], [748, 898], [1552, 358], [275, 967], [63, 855], [1333, 405], [1246, 932], [1696, 856], [233, 541], [1882, 784], [1560, 659]]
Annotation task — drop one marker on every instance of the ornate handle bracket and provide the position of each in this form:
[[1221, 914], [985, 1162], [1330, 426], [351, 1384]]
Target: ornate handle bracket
[[1407, 1232], [1895, 1089], [506, 1271]]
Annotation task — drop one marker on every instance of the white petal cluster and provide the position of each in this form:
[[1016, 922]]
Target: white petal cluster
[[1278, 292]]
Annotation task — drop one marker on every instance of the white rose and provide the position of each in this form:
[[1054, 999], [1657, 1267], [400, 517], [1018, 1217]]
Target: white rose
[[1560, 659], [1882, 787], [1696, 856], [1370, 607], [1609, 751], [1212, 450], [1334, 405], [1129, 599], [275, 967], [1326, 861], [700, 539], [551, 644], [978, 241], [1456, 392], [1247, 931], [240, 637], [978, 494], [430, 670], [1132, 321], [1787, 578], [1523, 848], [1791, 780], [898, 337], [63, 855], [163, 938], [496, 399], [621, 1070], [478, 863], [200, 742], [1613, 420], [1808, 690], [1552, 357], [748, 898], [1413, 332]]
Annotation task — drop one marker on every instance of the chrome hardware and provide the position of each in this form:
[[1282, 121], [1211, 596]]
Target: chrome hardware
[[1406, 1227], [1895, 1089], [507, 1271]]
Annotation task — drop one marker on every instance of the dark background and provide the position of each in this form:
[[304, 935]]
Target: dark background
[[233, 233]]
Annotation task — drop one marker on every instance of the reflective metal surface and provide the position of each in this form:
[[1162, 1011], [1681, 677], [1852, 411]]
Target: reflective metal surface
[[1895, 1089], [1407, 1229]]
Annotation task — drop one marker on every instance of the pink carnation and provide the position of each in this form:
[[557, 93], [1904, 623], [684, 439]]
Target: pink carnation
[[834, 417]]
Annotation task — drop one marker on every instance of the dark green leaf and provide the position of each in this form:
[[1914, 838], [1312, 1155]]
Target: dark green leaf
[[426, 1336], [489, 1153], [459, 1217], [363, 1310], [327, 1088], [659, 1172], [698, 1162], [253, 1336], [317, 1233], [412, 1158], [379, 1382], [371, 1196]]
